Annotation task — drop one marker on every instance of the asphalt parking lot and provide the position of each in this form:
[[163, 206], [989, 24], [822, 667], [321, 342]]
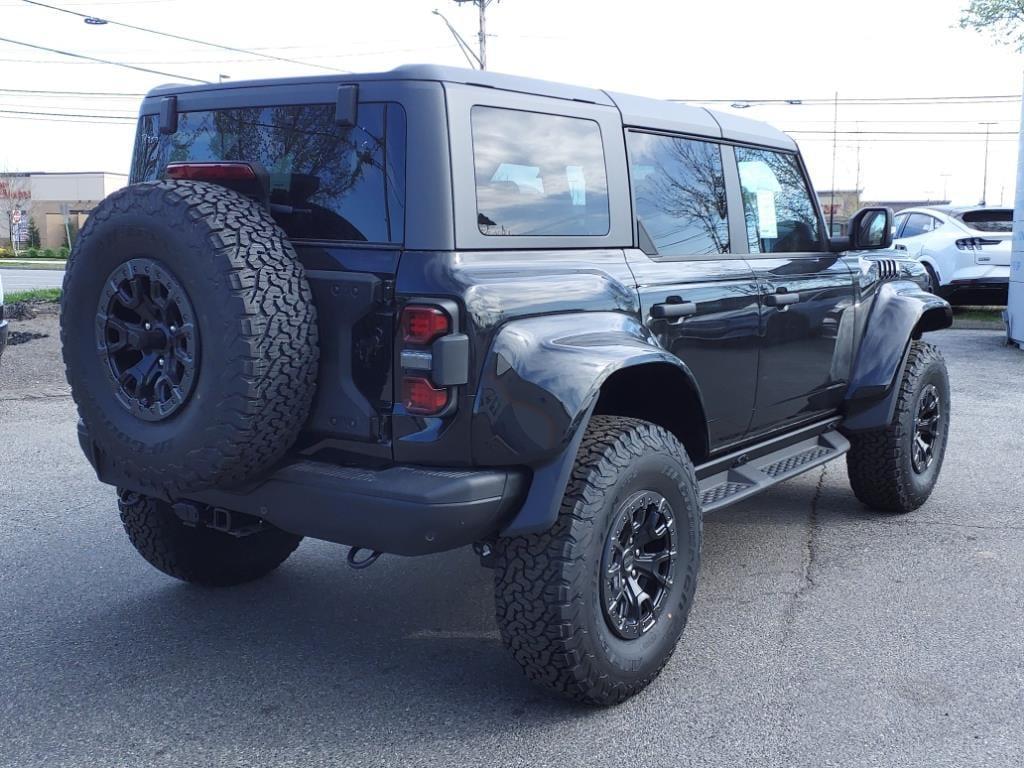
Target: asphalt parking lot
[[822, 635]]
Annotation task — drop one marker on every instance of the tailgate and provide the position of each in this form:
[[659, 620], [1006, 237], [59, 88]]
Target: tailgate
[[337, 190]]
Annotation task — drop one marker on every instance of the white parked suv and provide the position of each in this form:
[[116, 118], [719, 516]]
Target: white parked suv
[[965, 250]]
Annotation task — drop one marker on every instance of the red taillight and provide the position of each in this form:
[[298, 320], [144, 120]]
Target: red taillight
[[210, 172], [974, 243], [421, 397], [422, 324]]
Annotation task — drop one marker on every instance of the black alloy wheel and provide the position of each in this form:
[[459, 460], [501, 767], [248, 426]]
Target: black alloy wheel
[[638, 564], [147, 335], [927, 422]]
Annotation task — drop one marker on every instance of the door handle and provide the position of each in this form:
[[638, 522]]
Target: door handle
[[674, 307], [781, 299]]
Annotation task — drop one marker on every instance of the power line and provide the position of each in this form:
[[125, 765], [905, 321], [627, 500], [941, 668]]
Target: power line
[[101, 61], [356, 54], [908, 133], [119, 111], [890, 100], [64, 120], [103, 94], [130, 118], [182, 37]]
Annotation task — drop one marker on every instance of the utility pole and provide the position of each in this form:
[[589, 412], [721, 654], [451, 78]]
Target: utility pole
[[1015, 300], [945, 185], [984, 184], [835, 140], [481, 5]]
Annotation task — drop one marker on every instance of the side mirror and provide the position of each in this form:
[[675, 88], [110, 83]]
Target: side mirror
[[871, 229]]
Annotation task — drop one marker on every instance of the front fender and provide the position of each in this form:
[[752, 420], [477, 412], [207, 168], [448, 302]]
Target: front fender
[[542, 374], [899, 312]]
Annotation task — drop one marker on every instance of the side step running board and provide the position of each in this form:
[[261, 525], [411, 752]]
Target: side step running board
[[742, 480]]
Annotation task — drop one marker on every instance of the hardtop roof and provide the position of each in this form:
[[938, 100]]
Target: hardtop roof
[[636, 111]]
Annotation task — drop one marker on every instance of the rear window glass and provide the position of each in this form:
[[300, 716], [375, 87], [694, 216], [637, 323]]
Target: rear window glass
[[538, 174], [991, 220], [341, 183]]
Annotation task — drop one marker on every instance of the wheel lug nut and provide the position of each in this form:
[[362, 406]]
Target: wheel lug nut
[[638, 553], [633, 573], [160, 361], [148, 327]]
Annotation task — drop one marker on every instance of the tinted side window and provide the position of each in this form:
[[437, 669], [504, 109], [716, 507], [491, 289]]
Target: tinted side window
[[538, 174], [341, 183], [777, 206], [919, 224], [897, 224], [679, 189]]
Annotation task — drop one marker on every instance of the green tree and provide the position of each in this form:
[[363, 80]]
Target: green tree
[[33, 234], [1003, 19]]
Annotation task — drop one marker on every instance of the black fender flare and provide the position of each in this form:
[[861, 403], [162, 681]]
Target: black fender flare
[[899, 312], [539, 384]]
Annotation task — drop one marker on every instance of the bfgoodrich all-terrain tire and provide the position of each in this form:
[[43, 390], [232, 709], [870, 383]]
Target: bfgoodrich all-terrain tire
[[594, 607], [196, 554], [189, 336], [895, 469]]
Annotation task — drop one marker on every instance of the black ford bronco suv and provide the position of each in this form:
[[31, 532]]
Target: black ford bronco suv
[[431, 307]]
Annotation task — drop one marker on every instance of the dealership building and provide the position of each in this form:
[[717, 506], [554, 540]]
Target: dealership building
[[58, 203]]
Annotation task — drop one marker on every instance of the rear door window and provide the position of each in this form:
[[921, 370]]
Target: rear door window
[[777, 205], [329, 182], [538, 174], [679, 193]]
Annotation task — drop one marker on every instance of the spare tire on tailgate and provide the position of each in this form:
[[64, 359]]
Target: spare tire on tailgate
[[189, 337]]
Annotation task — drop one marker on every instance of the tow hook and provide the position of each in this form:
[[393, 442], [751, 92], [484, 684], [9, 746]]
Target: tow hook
[[485, 551], [357, 562]]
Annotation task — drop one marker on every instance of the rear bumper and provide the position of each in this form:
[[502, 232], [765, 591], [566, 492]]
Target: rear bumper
[[402, 510], [981, 290]]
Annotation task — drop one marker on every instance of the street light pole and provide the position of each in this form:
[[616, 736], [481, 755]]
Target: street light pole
[[481, 5]]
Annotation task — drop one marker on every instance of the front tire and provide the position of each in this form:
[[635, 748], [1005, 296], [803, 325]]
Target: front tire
[[895, 469], [933, 279], [593, 608], [196, 554]]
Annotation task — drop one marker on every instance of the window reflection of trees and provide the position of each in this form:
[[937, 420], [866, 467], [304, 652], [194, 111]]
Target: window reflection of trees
[[317, 164], [797, 219], [687, 186]]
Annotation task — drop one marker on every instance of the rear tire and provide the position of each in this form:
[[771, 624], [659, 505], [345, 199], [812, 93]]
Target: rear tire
[[895, 469], [196, 554], [584, 606]]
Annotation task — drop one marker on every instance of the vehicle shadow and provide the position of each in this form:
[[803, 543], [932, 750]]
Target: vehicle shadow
[[392, 655], [313, 642]]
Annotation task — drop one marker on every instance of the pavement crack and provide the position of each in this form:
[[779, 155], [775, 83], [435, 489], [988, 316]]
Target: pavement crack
[[809, 560], [35, 394], [811, 540]]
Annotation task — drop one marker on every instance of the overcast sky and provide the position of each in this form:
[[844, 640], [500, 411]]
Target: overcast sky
[[742, 50]]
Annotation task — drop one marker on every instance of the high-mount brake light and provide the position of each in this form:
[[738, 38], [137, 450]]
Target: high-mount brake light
[[422, 324], [421, 397], [216, 172]]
